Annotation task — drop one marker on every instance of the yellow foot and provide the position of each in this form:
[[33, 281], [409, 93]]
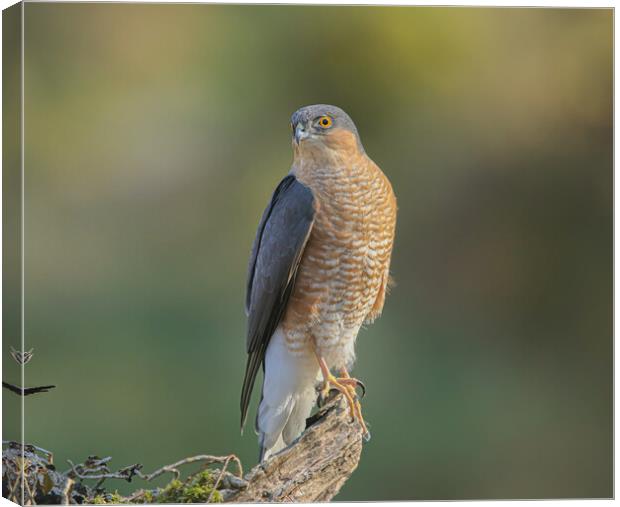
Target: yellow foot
[[348, 382], [346, 386]]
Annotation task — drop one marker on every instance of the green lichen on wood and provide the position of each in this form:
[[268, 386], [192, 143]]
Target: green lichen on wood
[[108, 498], [48, 486], [197, 489]]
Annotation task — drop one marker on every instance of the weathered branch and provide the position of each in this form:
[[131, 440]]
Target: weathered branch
[[315, 467], [312, 469]]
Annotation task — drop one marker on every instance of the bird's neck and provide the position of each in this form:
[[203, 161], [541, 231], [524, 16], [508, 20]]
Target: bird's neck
[[321, 166]]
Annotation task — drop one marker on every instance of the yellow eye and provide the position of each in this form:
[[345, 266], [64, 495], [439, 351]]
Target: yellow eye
[[325, 122]]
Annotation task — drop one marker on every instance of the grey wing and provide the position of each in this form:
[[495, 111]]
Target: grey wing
[[279, 244]]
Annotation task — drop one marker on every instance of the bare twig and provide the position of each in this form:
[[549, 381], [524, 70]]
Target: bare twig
[[27, 391], [205, 458], [100, 471], [31, 448], [219, 477]]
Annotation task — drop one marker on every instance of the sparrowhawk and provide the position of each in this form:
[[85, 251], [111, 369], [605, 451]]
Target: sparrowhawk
[[318, 270]]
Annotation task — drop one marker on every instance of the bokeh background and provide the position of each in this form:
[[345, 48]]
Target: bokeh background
[[155, 135]]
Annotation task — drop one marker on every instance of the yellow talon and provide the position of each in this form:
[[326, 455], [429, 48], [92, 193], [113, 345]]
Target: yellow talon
[[345, 385]]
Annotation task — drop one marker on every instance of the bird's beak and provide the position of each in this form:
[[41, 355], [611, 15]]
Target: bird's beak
[[300, 133]]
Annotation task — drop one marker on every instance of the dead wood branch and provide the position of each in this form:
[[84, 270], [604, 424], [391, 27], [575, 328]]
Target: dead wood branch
[[315, 467], [312, 469]]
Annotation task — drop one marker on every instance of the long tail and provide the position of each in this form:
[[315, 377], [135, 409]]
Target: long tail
[[288, 396]]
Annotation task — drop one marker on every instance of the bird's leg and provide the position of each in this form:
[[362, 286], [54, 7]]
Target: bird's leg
[[329, 381], [351, 384], [346, 386]]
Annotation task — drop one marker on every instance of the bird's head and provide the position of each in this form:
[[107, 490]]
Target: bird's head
[[323, 126]]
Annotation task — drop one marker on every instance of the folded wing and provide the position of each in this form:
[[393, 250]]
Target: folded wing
[[278, 247]]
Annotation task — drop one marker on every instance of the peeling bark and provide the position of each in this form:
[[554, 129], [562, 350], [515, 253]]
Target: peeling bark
[[312, 469]]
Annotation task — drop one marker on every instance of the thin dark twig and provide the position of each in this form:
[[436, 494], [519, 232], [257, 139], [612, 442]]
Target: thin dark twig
[[27, 391], [126, 473]]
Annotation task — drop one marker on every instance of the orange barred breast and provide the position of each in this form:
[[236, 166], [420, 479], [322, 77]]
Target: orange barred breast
[[344, 270]]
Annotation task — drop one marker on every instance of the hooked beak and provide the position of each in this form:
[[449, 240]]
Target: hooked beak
[[300, 133]]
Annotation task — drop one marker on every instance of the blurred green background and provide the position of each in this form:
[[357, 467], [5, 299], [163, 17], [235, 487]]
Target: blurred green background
[[155, 135]]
